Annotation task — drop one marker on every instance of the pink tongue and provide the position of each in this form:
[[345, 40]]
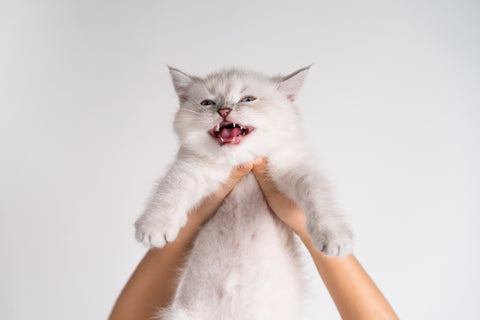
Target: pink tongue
[[228, 134]]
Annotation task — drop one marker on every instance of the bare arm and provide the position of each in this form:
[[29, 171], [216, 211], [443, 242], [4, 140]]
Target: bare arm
[[153, 283], [353, 291]]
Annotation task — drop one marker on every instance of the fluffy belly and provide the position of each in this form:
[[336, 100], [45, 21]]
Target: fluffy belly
[[243, 265]]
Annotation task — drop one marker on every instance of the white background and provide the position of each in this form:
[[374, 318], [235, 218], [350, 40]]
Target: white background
[[391, 106]]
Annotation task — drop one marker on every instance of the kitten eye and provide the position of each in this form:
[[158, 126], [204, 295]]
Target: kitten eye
[[207, 102], [248, 99]]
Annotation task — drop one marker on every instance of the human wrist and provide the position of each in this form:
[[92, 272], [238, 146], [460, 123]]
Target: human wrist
[[302, 234], [306, 239]]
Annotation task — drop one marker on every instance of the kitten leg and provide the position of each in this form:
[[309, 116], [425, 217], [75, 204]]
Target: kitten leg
[[184, 185], [305, 185]]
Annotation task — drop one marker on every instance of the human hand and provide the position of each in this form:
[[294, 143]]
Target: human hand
[[282, 206], [211, 203], [153, 284]]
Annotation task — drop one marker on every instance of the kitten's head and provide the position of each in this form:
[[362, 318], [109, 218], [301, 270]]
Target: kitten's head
[[234, 114]]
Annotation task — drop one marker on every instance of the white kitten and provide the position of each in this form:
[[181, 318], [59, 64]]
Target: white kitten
[[243, 264]]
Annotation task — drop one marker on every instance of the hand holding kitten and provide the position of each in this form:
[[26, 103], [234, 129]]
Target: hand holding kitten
[[285, 208], [209, 206], [282, 206], [362, 301]]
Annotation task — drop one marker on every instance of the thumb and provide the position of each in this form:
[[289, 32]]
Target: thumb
[[236, 174]]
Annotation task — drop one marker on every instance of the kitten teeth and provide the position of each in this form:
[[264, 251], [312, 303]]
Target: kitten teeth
[[234, 125], [217, 129], [221, 139]]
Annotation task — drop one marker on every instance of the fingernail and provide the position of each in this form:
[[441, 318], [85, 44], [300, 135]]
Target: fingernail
[[244, 166], [259, 160]]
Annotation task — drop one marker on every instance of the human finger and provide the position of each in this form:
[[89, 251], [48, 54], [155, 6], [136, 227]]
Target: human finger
[[211, 203], [260, 172], [236, 174], [286, 209]]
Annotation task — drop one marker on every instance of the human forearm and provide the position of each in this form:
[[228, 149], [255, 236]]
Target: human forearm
[[153, 284], [353, 291]]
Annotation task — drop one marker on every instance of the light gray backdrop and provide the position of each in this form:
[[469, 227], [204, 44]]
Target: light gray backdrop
[[391, 106]]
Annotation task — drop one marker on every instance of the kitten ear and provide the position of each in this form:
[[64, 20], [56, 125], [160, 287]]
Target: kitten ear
[[181, 82], [290, 85]]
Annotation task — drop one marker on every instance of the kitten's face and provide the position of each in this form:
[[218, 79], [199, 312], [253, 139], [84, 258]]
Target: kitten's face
[[235, 111]]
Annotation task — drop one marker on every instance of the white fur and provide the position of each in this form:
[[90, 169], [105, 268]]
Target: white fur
[[244, 263]]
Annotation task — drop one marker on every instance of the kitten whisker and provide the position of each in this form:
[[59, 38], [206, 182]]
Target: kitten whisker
[[194, 112]]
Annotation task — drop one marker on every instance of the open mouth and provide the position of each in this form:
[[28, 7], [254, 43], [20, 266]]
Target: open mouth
[[229, 132]]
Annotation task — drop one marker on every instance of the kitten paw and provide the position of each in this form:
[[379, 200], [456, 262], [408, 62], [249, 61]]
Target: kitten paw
[[157, 232], [333, 240]]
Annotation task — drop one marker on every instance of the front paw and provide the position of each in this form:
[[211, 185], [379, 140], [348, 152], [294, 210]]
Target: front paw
[[158, 231], [332, 239]]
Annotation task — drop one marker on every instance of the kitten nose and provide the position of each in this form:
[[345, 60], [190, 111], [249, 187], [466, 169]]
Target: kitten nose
[[224, 112]]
